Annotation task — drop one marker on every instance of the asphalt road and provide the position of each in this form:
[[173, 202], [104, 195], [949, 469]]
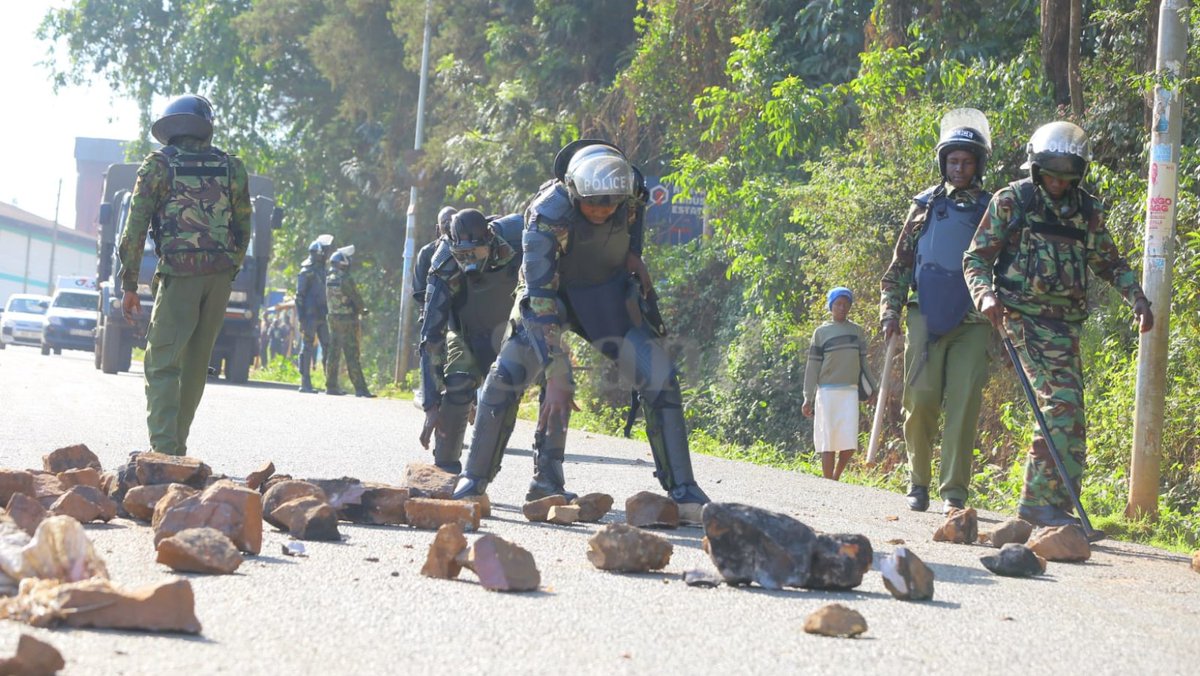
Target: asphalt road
[[1131, 609]]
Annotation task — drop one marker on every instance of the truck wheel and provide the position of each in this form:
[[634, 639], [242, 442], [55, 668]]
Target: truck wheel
[[45, 349], [237, 364], [58, 350], [96, 346], [110, 350]]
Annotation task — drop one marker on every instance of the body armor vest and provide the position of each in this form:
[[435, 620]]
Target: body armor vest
[[198, 213], [938, 272], [486, 304], [338, 301]]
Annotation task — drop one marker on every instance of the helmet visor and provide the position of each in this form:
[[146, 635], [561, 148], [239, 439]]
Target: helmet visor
[[470, 256]]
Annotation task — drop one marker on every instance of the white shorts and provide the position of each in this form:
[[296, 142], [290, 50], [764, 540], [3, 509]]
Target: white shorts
[[835, 419]]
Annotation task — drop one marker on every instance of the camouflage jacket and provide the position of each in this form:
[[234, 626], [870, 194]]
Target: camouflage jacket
[[341, 294], [896, 285], [188, 250], [1037, 262]]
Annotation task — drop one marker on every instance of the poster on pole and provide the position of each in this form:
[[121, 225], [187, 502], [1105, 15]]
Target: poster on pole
[[1160, 208]]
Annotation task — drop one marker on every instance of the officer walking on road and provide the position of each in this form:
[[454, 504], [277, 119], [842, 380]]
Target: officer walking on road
[[945, 353], [1027, 269], [468, 302], [311, 308], [194, 200], [345, 309], [582, 269]]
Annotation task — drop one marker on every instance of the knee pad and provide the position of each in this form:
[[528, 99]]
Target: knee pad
[[460, 389], [644, 361]]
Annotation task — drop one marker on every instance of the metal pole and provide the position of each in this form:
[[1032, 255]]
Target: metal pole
[[54, 239], [410, 226], [1158, 259]]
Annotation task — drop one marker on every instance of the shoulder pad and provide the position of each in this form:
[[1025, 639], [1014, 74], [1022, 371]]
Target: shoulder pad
[[552, 205], [509, 229], [925, 196], [443, 260], [1089, 204]]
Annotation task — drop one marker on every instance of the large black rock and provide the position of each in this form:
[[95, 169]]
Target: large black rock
[[839, 561], [748, 544], [1014, 560]]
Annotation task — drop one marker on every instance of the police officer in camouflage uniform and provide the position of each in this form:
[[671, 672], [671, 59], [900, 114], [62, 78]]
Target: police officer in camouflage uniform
[[945, 353], [311, 308], [420, 273], [1027, 269], [469, 298], [345, 308], [194, 200], [582, 270]]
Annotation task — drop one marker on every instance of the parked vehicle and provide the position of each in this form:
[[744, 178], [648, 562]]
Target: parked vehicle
[[22, 319], [71, 321]]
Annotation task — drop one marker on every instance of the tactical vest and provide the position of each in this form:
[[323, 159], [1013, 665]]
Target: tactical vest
[[942, 292], [311, 290], [487, 300], [337, 299], [197, 216], [1049, 261]]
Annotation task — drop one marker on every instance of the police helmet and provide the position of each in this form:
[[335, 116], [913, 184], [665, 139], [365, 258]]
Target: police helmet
[[342, 257], [187, 115], [1061, 148], [965, 129], [443, 220], [599, 174], [470, 240], [321, 245]]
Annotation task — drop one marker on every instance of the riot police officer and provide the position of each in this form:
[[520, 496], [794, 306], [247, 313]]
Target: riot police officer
[[468, 301], [945, 356], [581, 270], [420, 273], [198, 199], [1027, 270], [345, 308], [311, 308]]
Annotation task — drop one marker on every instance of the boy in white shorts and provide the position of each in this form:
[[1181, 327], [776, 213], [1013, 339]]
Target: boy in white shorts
[[836, 373]]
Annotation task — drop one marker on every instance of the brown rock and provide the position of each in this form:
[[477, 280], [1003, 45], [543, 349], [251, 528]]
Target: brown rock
[[383, 504], [1196, 561], [429, 481], [26, 511], [47, 488], [260, 475], [15, 481], [286, 491], [157, 468], [483, 505], [563, 515], [1012, 530], [176, 493], [71, 457], [33, 658], [501, 565], [139, 501], [1063, 543], [835, 620], [906, 576], [109, 482], [446, 546], [344, 495], [308, 518], [88, 476], [539, 510], [76, 506], [431, 514], [275, 478], [199, 550], [961, 527], [623, 548], [106, 507], [61, 551], [234, 510], [593, 506], [169, 606], [650, 510], [748, 544]]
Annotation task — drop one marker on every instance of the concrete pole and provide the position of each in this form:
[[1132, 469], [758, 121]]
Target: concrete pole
[[403, 338], [1158, 260]]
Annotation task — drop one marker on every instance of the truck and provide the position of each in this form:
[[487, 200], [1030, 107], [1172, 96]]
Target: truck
[[116, 337]]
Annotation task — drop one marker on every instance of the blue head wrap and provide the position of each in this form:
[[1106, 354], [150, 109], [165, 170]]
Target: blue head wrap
[[835, 293]]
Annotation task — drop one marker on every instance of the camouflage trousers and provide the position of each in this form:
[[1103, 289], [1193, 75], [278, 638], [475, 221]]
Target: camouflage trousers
[[1049, 351], [343, 338]]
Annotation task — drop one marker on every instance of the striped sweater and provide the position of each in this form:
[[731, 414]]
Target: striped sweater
[[837, 356]]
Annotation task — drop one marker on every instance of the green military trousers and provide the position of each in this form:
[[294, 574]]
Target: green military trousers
[[949, 384], [1049, 351], [187, 316], [343, 338]]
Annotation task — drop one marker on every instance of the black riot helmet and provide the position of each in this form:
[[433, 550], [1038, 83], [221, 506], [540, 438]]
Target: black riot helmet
[[470, 240], [1061, 148], [595, 171], [443, 221], [187, 115], [319, 249], [343, 257], [965, 129]]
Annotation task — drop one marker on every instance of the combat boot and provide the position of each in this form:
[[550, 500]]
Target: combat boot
[[364, 393], [918, 498], [334, 392], [1046, 516], [548, 476], [306, 385]]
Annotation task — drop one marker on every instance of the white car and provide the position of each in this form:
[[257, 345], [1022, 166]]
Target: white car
[[23, 318], [71, 321]]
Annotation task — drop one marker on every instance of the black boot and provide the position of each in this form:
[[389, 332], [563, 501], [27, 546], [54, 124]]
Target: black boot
[[918, 498], [548, 476], [364, 393], [306, 384]]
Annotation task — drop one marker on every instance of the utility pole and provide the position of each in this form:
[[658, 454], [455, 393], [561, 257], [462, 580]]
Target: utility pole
[[410, 227], [54, 239], [1158, 260]]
